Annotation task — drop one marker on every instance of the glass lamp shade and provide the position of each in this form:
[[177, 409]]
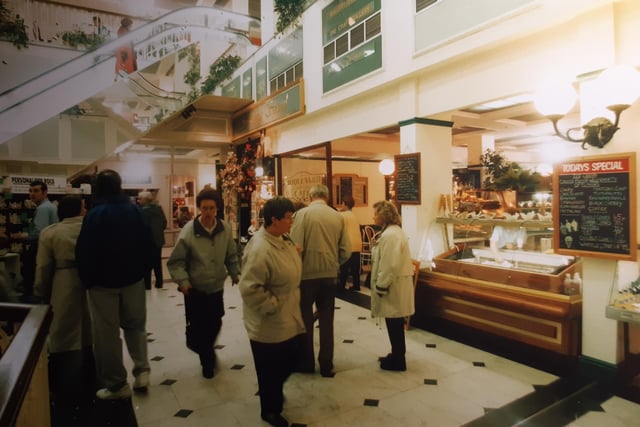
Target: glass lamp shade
[[386, 167], [555, 100], [618, 85]]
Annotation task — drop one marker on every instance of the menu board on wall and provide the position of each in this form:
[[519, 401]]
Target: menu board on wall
[[595, 212], [407, 180]]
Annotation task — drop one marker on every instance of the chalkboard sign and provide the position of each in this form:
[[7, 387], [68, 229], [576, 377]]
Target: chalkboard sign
[[595, 208], [408, 178]]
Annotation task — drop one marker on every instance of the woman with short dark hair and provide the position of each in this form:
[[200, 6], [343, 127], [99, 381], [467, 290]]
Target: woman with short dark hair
[[270, 289]]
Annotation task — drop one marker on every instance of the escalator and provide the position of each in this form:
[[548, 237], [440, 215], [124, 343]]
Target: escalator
[[56, 90]]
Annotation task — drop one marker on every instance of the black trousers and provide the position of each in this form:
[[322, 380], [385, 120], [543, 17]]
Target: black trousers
[[29, 267], [156, 268], [274, 363], [351, 266], [395, 329], [203, 314], [322, 292]]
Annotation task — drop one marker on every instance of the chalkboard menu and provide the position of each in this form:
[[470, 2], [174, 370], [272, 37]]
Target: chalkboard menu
[[407, 180], [595, 212]]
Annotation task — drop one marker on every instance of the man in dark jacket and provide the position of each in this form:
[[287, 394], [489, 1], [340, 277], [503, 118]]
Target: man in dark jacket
[[157, 221], [113, 255]]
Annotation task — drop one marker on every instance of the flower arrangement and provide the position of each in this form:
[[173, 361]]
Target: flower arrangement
[[230, 177], [247, 183]]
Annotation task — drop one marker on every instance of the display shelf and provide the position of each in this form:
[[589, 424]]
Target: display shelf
[[624, 299]]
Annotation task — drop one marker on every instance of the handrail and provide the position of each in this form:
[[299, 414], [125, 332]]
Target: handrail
[[231, 25], [19, 362]]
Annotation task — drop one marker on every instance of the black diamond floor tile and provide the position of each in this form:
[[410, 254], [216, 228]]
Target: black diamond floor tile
[[428, 381], [157, 358], [479, 364], [168, 382], [371, 402], [183, 413], [430, 345], [236, 367], [347, 341], [218, 346]]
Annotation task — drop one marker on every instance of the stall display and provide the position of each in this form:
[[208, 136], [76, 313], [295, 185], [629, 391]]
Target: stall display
[[532, 296]]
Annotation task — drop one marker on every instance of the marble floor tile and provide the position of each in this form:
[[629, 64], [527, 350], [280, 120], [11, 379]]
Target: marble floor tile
[[455, 392]]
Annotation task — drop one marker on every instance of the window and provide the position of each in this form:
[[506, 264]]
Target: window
[[285, 78], [353, 38], [423, 4]]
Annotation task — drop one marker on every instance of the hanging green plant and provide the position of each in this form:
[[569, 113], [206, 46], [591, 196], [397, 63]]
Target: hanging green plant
[[219, 71], [192, 76], [289, 11], [77, 38], [12, 29]]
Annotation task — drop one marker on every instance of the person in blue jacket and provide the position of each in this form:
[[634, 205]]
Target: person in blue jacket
[[113, 255]]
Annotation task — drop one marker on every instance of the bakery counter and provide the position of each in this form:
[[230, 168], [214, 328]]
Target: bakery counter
[[525, 302]]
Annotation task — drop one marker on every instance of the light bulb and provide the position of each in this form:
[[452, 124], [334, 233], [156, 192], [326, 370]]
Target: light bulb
[[386, 167]]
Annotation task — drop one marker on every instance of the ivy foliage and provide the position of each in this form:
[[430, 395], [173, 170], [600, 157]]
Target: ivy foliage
[[78, 37], [192, 76], [12, 29], [288, 11], [219, 71]]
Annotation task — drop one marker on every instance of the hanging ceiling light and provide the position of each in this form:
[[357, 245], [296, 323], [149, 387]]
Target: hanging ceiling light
[[615, 89]]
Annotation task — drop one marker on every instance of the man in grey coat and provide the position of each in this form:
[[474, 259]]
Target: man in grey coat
[[322, 235]]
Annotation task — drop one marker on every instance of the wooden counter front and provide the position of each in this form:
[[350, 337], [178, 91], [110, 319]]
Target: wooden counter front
[[524, 313]]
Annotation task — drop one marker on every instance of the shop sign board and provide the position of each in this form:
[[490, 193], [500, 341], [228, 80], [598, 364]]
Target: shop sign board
[[594, 211], [19, 184], [407, 180], [282, 106], [296, 187]]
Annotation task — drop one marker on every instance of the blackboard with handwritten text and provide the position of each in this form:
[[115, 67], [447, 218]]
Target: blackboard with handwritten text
[[595, 208], [407, 180]]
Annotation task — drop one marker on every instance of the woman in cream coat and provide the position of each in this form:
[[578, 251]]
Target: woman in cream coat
[[270, 290], [391, 282], [57, 282]]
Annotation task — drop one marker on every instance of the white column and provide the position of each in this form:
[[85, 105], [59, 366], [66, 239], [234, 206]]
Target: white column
[[432, 138]]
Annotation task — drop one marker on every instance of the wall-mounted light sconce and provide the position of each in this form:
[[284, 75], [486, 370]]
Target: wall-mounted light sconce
[[386, 167], [614, 89]]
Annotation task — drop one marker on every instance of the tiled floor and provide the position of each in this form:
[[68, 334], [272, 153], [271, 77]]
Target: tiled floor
[[446, 383]]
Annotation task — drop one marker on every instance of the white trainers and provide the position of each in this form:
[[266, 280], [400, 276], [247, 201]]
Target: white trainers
[[106, 394], [142, 381]]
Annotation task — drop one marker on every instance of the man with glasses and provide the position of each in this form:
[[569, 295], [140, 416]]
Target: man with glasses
[[204, 254]]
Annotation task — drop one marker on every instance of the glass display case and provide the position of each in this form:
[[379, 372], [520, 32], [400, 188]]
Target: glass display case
[[520, 291], [528, 261], [624, 300]]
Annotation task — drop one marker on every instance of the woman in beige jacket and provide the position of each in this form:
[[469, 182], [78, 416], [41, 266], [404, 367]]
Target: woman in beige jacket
[[391, 282], [270, 290]]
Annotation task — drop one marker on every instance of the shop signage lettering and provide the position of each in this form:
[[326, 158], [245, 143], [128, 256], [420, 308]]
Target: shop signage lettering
[[20, 183], [297, 187], [594, 207]]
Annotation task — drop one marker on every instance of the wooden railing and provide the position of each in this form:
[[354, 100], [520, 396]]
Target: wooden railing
[[24, 385]]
